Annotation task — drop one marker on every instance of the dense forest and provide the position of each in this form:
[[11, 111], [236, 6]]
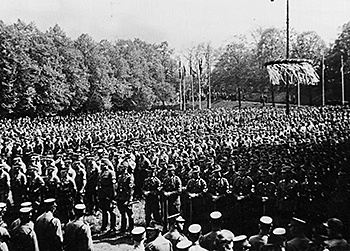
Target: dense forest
[[47, 73]]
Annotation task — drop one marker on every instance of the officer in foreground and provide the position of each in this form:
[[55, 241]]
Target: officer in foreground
[[77, 233], [48, 228]]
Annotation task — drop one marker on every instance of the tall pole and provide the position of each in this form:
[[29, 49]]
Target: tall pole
[[322, 82], [180, 86], [287, 56], [184, 87], [199, 87], [209, 89], [192, 90], [342, 80]]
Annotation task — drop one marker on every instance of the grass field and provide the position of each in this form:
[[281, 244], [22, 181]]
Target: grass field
[[115, 241]]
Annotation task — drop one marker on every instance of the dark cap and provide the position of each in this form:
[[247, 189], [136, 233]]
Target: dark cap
[[334, 223], [297, 222], [49, 201], [153, 225]]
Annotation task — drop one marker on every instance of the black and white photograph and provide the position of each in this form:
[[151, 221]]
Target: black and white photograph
[[175, 125]]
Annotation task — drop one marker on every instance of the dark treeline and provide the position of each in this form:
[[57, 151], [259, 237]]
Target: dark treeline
[[43, 73]]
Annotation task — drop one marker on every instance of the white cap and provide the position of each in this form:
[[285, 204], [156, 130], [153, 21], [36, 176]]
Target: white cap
[[80, 207], [184, 244], [215, 215], [239, 238], [266, 220], [194, 228], [138, 231], [25, 210], [279, 231]]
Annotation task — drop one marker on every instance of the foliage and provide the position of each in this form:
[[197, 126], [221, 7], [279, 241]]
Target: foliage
[[49, 73]]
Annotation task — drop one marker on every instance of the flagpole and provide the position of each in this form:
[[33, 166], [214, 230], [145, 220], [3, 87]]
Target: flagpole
[[323, 87], [184, 87], [342, 80], [180, 87], [199, 88], [192, 91]]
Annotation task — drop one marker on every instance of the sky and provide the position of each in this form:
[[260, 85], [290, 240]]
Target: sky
[[183, 23]]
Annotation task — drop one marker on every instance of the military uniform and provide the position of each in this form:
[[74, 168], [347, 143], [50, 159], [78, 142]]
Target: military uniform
[[287, 196], [77, 233], [18, 186], [80, 181], [52, 183], [65, 200], [196, 189], [218, 189], [48, 230], [125, 193], [5, 185], [106, 193], [36, 186], [151, 189], [172, 188], [23, 236], [92, 177], [265, 193]]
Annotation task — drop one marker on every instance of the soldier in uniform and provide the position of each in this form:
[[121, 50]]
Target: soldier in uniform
[[243, 190], [80, 179], [5, 185], [77, 233], [207, 241], [276, 241], [335, 240], [36, 186], [151, 190], [194, 233], [260, 239], [48, 228], [52, 183], [125, 195], [23, 237], [67, 191], [297, 228], [224, 241], [218, 189], [92, 176], [155, 241], [172, 188], [196, 189], [106, 192], [138, 237], [176, 229], [287, 195], [266, 194], [18, 185]]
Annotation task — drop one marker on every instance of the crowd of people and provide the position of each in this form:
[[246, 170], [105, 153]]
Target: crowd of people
[[267, 236], [244, 162]]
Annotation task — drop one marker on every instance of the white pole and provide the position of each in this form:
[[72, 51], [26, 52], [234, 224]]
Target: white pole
[[342, 81]]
